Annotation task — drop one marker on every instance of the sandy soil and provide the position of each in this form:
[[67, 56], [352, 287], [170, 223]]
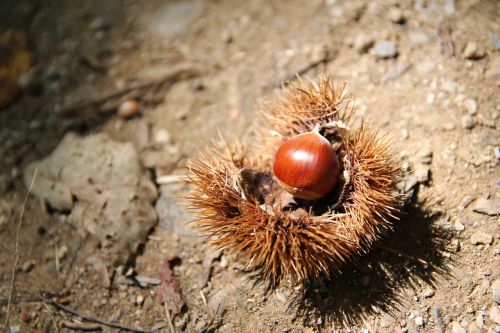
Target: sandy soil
[[425, 72]]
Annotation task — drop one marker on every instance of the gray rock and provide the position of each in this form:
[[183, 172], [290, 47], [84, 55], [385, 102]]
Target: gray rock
[[385, 49], [436, 316], [171, 217], [495, 314], [471, 106], [449, 7], [495, 290], [173, 18], [457, 328], [410, 183], [449, 86], [488, 206], [419, 321], [418, 38], [492, 72], [103, 184], [467, 122], [362, 43], [396, 15], [495, 42], [480, 237], [422, 173], [15, 329], [480, 319], [473, 51], [459, 226], [472, 328]]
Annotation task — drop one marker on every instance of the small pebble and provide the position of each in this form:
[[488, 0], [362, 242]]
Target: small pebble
[[457, 328], [162, 136], [419, 321], [128, 109], [385, 49], [488, 206], [480, 319], [471, 106], [495, 314], [480, 237], [428, 292], [436, 316], [449, 86], [362, 43], [223, 261], [422, 173], [473, 51], [396, 15], [495, 42], [15, 329], [418, 38], [459, 226], [495, 290], [139, 299], [148, 303], [467, 122]]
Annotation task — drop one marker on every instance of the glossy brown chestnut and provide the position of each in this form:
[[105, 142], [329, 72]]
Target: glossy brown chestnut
[[306, 166]]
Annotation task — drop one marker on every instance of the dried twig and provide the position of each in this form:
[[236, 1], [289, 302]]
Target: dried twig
[[402, 254], [91, 318], [445, 35], [16, 251], [169, 318], [171, 75], [80, 327]]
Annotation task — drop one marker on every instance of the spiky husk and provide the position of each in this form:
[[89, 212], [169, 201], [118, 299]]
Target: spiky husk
[[282, 243]]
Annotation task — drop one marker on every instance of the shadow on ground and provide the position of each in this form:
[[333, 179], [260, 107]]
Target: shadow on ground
[[376, 283]]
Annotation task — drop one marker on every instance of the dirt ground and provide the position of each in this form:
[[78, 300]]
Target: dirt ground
[[426, 72]]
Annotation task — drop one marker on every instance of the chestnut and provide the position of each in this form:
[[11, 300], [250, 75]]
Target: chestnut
[[307, 166]]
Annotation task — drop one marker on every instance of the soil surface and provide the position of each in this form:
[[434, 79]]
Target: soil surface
[[427, 73]]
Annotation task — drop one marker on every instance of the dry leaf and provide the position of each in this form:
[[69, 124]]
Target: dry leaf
[[169, 291]]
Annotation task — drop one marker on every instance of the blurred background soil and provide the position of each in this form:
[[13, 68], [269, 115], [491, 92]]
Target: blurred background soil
[[107, 100]]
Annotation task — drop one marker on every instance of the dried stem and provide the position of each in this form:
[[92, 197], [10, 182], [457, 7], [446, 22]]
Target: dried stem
[[92, 319], [403, 254], [169, 319], [16, 251]]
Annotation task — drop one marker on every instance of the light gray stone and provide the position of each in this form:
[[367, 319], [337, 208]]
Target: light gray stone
[[473, 51], [480, 237], [457, 328], [495, 314], [385, 49], [488, 206], [471, 106], [102, 183], [362, 43], [173, 18], [495, 290]]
